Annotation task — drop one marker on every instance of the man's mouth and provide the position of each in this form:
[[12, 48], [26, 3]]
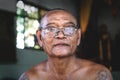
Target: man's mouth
[[61, 44]]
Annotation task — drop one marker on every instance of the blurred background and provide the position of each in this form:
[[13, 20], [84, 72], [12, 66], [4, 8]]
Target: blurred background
[[99, 21]]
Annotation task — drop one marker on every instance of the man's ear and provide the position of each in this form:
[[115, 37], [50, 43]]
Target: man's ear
[[78, 36], [39, 37]]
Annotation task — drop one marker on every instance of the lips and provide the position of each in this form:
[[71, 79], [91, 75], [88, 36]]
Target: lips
[[61, 44]]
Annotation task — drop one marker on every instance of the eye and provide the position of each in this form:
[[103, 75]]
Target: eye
[[52, 29], [69, 30]]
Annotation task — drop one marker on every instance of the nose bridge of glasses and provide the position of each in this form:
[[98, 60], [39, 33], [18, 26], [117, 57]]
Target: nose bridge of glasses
[[60, 32]]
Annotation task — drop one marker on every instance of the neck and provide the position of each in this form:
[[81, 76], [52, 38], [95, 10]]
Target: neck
[[61, 66]]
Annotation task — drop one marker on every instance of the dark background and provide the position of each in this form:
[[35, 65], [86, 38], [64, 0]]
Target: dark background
[[7, 37]]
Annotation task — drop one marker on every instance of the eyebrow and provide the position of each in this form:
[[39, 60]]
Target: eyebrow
[[70, 23], [50, 24]]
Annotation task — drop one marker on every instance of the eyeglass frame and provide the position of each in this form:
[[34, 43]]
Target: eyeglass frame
[[59, 30]]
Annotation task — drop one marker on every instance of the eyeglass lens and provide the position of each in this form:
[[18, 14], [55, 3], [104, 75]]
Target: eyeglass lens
[[52, 32]]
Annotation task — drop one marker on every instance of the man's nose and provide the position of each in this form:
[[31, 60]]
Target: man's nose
[[60, 34]]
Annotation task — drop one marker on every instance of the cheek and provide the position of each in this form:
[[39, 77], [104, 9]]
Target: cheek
[[47, 44], [74, 44]]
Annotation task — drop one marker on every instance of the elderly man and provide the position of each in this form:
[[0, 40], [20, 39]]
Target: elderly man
[[59, 35]]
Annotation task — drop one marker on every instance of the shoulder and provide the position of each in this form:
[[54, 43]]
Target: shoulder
[[102, 73], [97, 71], [33, 72], [24, 76], [38, 68]]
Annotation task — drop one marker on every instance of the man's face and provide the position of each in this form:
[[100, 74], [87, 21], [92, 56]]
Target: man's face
[[59, 45]]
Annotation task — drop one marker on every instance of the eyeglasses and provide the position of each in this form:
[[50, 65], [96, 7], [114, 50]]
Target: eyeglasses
[[53, 31]]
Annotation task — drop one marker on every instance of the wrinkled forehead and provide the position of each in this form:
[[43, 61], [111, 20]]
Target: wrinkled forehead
[[58, 15]]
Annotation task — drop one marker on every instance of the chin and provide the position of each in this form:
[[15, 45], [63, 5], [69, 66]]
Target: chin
[[61, 54]]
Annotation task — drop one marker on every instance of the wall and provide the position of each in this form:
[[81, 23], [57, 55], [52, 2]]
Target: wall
[[9, 5]]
